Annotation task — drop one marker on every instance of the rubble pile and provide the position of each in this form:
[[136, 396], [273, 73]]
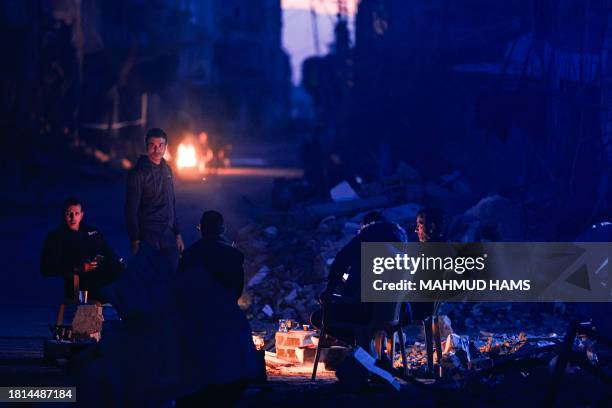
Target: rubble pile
[[285, 272], [287, 265], [461, 353], [288, 256], [475, 318]]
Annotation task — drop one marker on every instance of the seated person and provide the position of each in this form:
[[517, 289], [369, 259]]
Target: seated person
[[214, 255], [341, 300], [429, 227], [77, 249]]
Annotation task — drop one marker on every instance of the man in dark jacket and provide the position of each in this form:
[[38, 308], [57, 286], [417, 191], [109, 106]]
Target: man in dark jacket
[[214, 255], [341, 300], [75, 249], [150, 211]]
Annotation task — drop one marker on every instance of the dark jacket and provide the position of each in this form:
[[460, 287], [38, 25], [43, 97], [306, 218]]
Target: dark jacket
[[215, 256], [345, 272], [172, 326], [150, 201], [65, 251]]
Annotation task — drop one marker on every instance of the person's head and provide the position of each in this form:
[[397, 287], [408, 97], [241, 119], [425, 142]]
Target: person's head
[[212, 223], [72, 213], [371, 218], [429, 224], [156, 142]]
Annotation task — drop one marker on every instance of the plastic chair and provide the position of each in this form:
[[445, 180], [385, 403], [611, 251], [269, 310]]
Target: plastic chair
[[385, 318]]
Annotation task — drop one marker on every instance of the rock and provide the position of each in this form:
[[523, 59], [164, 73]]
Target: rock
[[452, 343], [402, 214], [446, 328], [453, 197], [461, 188], [267, 310], [259, 276], [499, 219], [343, 192], [407, 173], [464, 228], [350, 229], [271, 231], [320, 269], [414, 193], [437, 196], [330, 225], [87, 320], [449, 178], [291, 296]]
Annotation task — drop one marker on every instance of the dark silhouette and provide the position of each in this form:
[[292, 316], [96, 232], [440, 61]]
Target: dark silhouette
[[181, 336], [341, 299], [214, 255]]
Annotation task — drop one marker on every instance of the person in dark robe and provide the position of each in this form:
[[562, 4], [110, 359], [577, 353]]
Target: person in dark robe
[[215, 255], [182, 337]]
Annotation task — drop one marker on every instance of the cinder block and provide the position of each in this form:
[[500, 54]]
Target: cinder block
[[295, 346]]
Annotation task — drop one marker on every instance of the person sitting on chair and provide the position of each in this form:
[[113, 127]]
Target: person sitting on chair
[[341, 302], [429, 227], [75, 249]]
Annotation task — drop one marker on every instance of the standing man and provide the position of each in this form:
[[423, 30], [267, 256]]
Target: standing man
[[150, 211]]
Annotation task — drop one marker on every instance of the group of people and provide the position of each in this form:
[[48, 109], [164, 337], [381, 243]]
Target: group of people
[[341, 300], [159, 351], [79, 253]]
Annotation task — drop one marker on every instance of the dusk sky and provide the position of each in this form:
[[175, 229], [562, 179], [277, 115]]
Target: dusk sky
[[298, 39]]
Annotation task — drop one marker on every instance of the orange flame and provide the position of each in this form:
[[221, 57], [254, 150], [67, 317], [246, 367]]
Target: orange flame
[[186, 156]]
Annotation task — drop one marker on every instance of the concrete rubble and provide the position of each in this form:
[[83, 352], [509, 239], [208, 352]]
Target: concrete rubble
[[289, 254]]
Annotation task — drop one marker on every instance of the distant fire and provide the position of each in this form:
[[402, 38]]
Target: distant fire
[[187, 156]]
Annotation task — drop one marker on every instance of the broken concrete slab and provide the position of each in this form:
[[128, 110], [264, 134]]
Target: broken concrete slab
[[343, 192]]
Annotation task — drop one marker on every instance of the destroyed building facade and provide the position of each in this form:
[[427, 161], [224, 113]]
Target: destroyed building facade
[[512, 98], [99, 72]]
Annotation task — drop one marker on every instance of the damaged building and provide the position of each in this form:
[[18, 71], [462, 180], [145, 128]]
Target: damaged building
[[99, 72], [455, 91]]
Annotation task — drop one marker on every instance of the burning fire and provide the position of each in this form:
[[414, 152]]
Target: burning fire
[[186, 156], [258, 341]]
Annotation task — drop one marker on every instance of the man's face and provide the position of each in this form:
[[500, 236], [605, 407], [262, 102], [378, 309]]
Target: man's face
[[156, 147], [422, 229], [73, 217]]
